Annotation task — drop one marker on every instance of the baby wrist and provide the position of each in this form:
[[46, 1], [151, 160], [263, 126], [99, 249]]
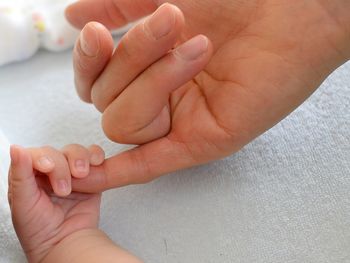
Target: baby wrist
[[74, 245], [88, 245]]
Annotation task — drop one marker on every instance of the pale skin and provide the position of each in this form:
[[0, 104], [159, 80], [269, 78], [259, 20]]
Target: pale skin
[[237, 69], [55, 226]]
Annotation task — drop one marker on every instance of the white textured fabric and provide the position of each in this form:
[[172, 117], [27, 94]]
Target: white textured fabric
[[4, 161], [4, 164], [10, 250], [283, 198]]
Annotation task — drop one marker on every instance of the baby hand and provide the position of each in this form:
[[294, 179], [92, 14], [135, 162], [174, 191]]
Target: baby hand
[[44, 211]]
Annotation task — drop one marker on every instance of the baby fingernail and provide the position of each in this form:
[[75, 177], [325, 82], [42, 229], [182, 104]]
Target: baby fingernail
[[63, 187], [89, 41], [194, 48], [95, 159], [46, 162], [160, 24], [81, 165]]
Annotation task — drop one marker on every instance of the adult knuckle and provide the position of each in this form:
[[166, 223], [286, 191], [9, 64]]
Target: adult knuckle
[[130, 47]]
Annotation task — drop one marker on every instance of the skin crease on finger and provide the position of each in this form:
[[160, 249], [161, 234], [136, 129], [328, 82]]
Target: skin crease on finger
[[269, 56], [253, 56], [126, 64]]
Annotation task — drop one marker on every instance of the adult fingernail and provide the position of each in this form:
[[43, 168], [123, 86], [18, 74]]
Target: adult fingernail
[[63, 187], [81, 165], [160, 23], [89, 41], [193, 48], [46, 162]]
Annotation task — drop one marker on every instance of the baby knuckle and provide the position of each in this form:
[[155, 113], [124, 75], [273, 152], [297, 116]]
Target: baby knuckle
[[48, 149]]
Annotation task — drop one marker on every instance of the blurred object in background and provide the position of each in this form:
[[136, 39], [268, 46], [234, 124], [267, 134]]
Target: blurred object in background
[[28, 25]]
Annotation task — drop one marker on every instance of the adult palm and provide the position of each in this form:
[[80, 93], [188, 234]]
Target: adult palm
[[269, 56]]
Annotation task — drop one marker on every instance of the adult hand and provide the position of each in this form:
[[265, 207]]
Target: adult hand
[[211, 95]]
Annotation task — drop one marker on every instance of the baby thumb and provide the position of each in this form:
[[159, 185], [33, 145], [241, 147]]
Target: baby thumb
[[22, 184]]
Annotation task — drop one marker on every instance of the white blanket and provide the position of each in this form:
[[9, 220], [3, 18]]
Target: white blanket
[[283, 198], [9, 247], [4, 161]]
